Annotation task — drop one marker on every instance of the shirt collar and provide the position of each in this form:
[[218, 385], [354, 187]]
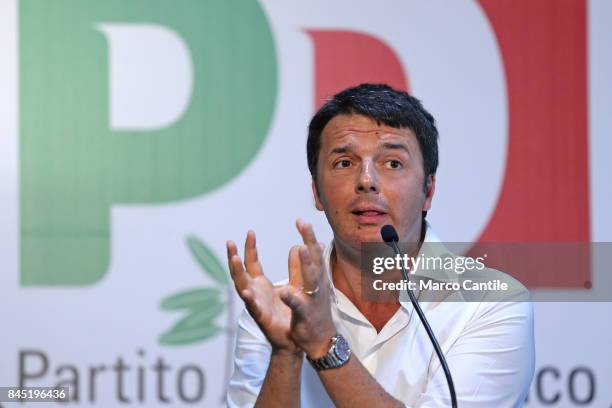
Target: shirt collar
[[432, 246]]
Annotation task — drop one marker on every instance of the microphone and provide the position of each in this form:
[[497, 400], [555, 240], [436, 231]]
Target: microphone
[[389, 235]]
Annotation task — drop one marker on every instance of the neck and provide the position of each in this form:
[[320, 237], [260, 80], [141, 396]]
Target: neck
[[345, 263], [346, 260]]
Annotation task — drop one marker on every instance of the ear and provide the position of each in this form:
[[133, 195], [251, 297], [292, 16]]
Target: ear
[[315, 193], [430, 188]]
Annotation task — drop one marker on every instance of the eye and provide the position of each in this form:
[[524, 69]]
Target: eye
[[394, 164], [342, 164]]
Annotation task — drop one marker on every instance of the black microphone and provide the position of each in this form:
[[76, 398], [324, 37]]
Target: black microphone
[[389, 235]]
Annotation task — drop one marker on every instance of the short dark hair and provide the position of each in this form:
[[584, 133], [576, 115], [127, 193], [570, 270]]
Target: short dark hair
[[385, 105]]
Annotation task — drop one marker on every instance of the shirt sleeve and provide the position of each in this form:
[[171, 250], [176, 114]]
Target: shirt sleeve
[[492, 361], [251, 360]]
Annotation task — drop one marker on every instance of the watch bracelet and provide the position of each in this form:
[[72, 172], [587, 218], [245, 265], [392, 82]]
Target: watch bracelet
[[331, 359]]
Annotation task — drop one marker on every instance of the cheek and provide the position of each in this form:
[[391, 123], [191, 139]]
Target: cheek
[[335, 192], [407, 195]]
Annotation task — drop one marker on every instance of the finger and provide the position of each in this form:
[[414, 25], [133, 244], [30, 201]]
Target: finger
[[310, 272], [231, 251], [295, 273], [310, 240], [239, 275], [291, 297], [251, 260]]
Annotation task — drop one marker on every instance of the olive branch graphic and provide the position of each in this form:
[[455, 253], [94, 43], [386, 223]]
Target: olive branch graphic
[[202, 306]]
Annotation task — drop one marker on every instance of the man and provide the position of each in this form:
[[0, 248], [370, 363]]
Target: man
[[372, 153]]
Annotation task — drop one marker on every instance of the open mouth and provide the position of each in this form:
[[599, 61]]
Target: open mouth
[[369, 213], [369, 217]]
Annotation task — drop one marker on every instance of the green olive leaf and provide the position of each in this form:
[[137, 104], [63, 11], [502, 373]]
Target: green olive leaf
[[198, 318], [207, 260], [201, 298], [188, 336]]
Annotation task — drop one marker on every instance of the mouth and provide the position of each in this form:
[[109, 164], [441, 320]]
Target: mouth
[[369, 215]]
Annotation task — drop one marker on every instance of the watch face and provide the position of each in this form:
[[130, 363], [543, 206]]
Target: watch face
[[342, 348]]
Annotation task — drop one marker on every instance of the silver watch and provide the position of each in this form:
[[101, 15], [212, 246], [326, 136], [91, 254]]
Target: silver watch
[[338, 354]]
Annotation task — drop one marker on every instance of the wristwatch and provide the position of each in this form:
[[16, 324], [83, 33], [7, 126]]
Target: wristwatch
[[338, 354]]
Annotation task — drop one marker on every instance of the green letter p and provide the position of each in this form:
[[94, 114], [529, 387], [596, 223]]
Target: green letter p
[[130, 102]]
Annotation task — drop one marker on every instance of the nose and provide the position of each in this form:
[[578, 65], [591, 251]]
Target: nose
[[367, 181]]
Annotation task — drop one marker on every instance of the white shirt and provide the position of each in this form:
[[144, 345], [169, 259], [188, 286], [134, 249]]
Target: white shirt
[[489, 348]]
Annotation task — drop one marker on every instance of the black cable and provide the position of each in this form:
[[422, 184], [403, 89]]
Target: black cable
[[390, 237]]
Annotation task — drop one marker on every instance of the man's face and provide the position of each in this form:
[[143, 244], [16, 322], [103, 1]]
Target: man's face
[[370, 175]]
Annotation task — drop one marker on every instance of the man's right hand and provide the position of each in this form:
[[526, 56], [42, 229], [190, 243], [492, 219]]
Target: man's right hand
[[261, 298]]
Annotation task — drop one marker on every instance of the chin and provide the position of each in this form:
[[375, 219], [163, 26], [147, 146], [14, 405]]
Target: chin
[[368, 233]]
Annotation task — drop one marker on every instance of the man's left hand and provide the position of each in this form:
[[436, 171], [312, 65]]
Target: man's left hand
[[312, 326]]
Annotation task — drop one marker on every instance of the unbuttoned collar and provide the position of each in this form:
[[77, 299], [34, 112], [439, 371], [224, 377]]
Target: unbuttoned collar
[[432, 246]]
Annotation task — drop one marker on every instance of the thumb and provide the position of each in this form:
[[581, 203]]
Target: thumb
[[290, 296]]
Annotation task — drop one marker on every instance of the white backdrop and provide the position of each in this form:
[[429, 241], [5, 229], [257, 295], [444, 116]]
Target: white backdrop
[[119, 317]]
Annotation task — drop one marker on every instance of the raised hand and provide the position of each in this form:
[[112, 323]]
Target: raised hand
[[262, 299], [312, 326]]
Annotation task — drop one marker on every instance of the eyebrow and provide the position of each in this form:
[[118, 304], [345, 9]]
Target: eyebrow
[[392, 146], [397, 146], [341, 149]]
